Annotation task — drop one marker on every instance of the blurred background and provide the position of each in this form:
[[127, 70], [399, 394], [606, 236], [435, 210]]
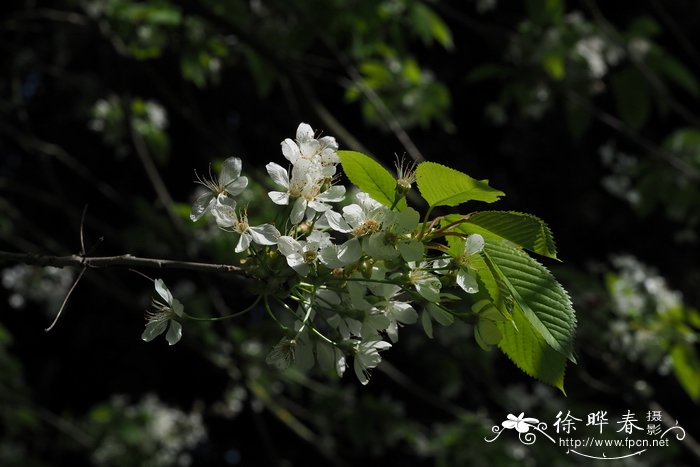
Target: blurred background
[[584, 113]]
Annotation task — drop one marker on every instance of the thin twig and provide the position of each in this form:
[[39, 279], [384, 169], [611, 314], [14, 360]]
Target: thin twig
[[82, 236], [65, 300], [151, 170], [114, 261]]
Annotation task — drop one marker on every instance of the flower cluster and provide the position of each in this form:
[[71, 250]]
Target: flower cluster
[[356, 270]]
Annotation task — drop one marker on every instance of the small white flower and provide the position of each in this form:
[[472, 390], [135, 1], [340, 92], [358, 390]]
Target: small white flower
[[229, 183], [395, 239], [367, 357], [225, 213], [165, 316], [320, 152], [427, 284], [338, 256], [302, 254], [305, 186], [360, 219], [466, 274]]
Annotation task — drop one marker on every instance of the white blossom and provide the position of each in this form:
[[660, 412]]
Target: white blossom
[[229, 183], [395, 237], [367, 357], [302, 254], [466, 274], [225, 213], [165, 316], [427, 284]]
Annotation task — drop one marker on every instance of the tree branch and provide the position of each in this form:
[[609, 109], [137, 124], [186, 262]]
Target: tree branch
[[113, 261]]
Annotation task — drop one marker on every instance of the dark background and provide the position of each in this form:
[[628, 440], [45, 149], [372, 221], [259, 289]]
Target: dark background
[[110, 106]]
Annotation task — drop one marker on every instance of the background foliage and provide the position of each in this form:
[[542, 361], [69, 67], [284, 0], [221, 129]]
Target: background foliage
[[584, 113]]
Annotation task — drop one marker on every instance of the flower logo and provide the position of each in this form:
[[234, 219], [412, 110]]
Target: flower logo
[[520, 423]]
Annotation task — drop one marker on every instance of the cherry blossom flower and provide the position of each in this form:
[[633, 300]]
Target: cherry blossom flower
[[367, 357], [321, 152], [466, 274], [303, 254], [225, 213], [305, 185], [229, 183], [164, 316], [395, 238]]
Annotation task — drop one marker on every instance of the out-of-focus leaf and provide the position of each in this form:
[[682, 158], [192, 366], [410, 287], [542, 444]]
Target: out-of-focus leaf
[[632, 97]]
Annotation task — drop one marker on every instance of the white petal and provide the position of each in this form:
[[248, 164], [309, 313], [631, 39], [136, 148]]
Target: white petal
[[309, 148], [329, 257], [350, 251], [360, 371], [336, 222], [403, 312], [243, 243], [393, 332], [329, 144], [288, 246], [163, 291], [279, 197], [265, 234], [429, 288], [354, 215], [367, 202], [304, 132], [177, 308], [174, 332], [474, 244], [230, 171], [298, 211], [340, 363], [201, 205], [321, 239], [301, 268], [318, 206], [224, 212], [236, 186], [290, 150], [407, 220], [154, 329], [278, 174], [467, 282], [334, 194]]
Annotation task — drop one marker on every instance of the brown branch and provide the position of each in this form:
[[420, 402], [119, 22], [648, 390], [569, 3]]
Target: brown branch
[[113, 261]]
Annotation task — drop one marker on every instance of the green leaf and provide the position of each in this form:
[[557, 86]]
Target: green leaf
[[526, 347], [369, 176], [439, 314], [525, 230], [632, 97], [663, 63], [443, 186], [542, 300], [686, 366], [430, 26], [553, 63]]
